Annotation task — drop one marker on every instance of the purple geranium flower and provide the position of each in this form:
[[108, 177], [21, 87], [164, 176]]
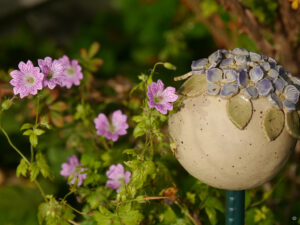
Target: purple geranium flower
[[161, 98], [53, 71], [72, 72], [117, 176], [27, 80], [73, 168], [111, 130]]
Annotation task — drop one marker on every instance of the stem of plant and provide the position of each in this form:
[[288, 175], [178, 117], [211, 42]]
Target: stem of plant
[[186, 212]]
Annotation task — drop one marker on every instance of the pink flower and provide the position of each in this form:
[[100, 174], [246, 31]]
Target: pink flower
[[75, 169], [111, 130], [27, 80], [53, 71], [72, 72], [161, 98], [117, 176]]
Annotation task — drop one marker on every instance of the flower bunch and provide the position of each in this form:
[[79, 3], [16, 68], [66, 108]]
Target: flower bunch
[[50, 73]]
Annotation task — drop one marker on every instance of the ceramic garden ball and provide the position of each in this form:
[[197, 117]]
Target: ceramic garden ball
[[237, 123]]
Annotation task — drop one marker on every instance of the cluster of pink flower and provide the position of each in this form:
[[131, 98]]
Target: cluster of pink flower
[[116, 173], [29, 79], [158, 97]]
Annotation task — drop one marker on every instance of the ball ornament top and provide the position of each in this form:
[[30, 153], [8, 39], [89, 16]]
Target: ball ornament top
[[237, 122]]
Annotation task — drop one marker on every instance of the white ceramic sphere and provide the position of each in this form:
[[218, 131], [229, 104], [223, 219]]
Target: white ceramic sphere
[[212, 149]]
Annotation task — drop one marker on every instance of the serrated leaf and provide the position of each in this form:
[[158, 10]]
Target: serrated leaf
[[43, 166], [293, 124], [33, 139], [129, 216], [34, 171], [58, 106], [273, 123], [195, 85], [239, 111], [212, 215], [26, 126], [22, 168], [130, 151]]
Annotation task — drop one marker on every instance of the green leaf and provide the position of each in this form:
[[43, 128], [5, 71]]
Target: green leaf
[[212, 215], [45, 122], [43, 166], [28, 132], [33, 139], [38, 132], [129, 216], [191, 197], [130, 151], [140, 171], [22, 168], [34, 171], [195, 85], [26, 126], [139, 130], [6, 104], [239, 111], [293, 124], [215, 203], [273, 123]]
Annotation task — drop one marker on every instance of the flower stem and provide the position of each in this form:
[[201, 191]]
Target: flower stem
[[186, 213], [75, 210], [13, 146]]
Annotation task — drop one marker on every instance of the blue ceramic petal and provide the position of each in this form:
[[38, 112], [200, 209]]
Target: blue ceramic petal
[[229, 75], [256, 74], [213, 65], [264, 87], [255, 57], [279, 84], [225, 63], [240, 51], [242, 78], [289, 106], [275, 100], [215, 57], [291, 93], [240, 59], [242, 67], [214, 75], [252, 64], [212, 89], [295, 80], [266, 66], [272, 62], [199, 64], [273, 73], [228, 90], [250, 92], [280, 70]]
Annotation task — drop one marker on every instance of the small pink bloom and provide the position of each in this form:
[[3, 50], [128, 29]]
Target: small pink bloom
[[72, 72], [114, 128], [73, 168], [53, 71], [161, 98], [117, 176], [27, 80]]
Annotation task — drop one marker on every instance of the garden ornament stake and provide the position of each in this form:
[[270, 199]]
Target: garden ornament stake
[[237, 123]]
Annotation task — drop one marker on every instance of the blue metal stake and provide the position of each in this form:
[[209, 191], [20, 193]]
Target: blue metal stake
[[235, 206]]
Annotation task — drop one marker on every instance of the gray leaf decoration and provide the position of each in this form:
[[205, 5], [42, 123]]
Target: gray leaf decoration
[[195, 85], [239, 111], [293, 124], [273, 123]]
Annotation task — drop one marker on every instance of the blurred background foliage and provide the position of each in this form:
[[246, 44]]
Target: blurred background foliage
[[134, 34]]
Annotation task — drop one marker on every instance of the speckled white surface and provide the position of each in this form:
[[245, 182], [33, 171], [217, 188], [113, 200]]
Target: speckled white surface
[[214, 151]]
